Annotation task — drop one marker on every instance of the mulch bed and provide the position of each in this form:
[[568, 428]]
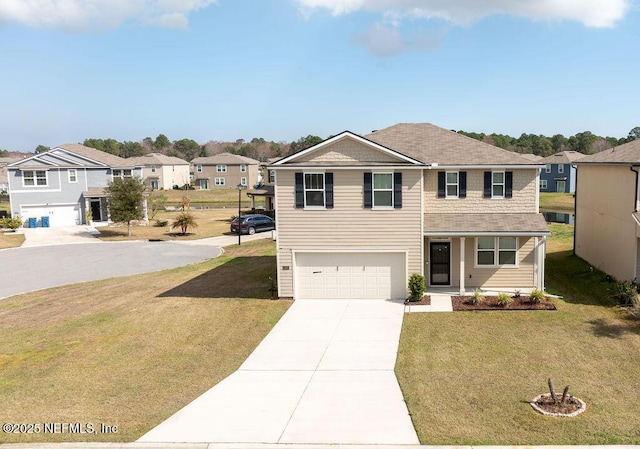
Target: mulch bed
[[463, 303], [547, 404], [426, 301]]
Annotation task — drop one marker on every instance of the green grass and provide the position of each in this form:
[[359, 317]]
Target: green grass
[[467, 377], [210, 198], [132, 351], [560, 202]]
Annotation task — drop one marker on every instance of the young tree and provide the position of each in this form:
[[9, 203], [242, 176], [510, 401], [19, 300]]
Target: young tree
[[184, 221], [125, 196], [156, 202]]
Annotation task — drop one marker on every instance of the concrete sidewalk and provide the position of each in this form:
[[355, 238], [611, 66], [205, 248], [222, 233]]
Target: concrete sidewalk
[[323, 375]]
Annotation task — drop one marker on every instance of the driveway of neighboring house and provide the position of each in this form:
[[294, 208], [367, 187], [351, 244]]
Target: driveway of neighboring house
[[62, 235], [324, 374]]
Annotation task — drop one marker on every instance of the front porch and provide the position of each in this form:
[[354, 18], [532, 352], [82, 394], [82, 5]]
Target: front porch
[[464, 252]]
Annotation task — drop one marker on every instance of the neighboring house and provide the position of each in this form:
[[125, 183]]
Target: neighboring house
[[559, 174], [162, 172], [531, 156], [4, 180], [224, 171], [607, 229], [64, 183], [265, 187], [357, 215]]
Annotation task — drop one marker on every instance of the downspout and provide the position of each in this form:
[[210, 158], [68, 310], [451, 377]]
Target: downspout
[[575, 211], [635, 204]]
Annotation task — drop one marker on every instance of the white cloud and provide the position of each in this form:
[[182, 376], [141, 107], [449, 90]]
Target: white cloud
[[85, 15], [591, 13], [385, 41]]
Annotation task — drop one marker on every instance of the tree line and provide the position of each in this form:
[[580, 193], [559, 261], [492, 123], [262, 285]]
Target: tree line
[[260, 149]]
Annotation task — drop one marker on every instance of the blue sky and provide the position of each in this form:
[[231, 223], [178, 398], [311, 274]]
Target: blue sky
[[282, 69]]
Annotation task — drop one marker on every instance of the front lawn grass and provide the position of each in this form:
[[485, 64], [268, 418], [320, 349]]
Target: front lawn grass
[[467, 377], [132, 351], [10, 239], [560, 202]]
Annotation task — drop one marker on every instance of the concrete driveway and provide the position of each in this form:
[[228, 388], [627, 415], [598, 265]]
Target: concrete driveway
[[62, 235], [324, 374]]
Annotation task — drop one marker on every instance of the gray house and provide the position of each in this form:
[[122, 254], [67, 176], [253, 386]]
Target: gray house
[[65, 185], [559, 175]]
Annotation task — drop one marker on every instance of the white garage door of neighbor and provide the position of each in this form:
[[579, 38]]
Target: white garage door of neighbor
[[59, 215], [350, 276]]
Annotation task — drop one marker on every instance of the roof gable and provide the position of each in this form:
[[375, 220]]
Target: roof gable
[[347, 149], [563, 157]]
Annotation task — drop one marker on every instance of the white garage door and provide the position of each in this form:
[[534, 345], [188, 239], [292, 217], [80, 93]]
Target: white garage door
[[350, 276], [59, 215]]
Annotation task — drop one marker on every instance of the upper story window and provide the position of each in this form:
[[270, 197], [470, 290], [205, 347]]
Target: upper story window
[[498, 184], [243, 168], [221, 168], [199, 168], [496, 251], [272, 176], [382, 189], [547, 169], [560, 168], [31, 178], [73, 175], [120, 173], [314, 189], [452, 184], [153, 169]]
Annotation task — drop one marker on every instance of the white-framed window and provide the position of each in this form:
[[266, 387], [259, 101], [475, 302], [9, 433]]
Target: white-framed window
[[154, 184], [497, 184], [153, 169], [560, 168], [73, 175], [547, 169], [243, 181], [243, 168], [199, 168], [451, 184], [272, 176], [561, 186], [314, 190], [121, 173], [543, 184], [496, 251], [382, 189], [219, 181], [32, 178], [221, 168]]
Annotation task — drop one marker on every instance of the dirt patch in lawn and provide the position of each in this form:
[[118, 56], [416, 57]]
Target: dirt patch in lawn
[[463, 303]]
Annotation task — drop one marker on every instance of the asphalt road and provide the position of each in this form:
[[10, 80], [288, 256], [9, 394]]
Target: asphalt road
[[27, 269]]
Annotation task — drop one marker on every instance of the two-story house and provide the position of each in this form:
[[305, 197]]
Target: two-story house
[[160, 171], [357, 215], [224, 171], [559, 173], [607, 229], [65, 183], [4, 179]]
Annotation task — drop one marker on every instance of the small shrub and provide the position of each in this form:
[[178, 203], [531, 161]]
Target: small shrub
[[161, 223], [504, 299], [516, 294], [477, 297], [11, 223], [536, 295], [416, 287], [626, 293], [184, 221]]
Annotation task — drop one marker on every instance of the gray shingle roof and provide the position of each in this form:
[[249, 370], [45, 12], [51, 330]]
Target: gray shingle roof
[[157, 159], [485, 223], [225, 158], [563, 157], [431, 144], [628, 153], [100, 156]]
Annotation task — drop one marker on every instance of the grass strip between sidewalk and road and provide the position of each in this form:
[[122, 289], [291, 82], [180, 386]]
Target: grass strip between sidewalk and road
[[468, 377], [129, 352]]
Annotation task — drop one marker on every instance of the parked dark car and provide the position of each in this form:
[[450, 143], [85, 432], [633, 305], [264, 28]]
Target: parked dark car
[[250, 224]]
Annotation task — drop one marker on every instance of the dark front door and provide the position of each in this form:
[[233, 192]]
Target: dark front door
[[440, 263], [96, 210]]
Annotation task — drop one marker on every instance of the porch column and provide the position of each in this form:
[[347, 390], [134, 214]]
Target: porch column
[[145, 210], [536, 263], [462, 239]]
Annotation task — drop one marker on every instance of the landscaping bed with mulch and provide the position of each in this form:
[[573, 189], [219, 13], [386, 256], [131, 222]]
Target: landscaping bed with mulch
[[462, 303], [426, 301]]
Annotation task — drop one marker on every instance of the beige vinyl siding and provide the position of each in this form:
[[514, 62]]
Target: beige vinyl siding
[[347, 150], [348, 226], [490, 277], [523, 200], [231, 176], [605, 228]]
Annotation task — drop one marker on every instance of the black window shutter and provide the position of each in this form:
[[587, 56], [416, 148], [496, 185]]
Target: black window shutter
[[462, 188], [368, 191], [299, 190], [328, 190], [508, 184], [397, 190], [487, 184], [441, 186]]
